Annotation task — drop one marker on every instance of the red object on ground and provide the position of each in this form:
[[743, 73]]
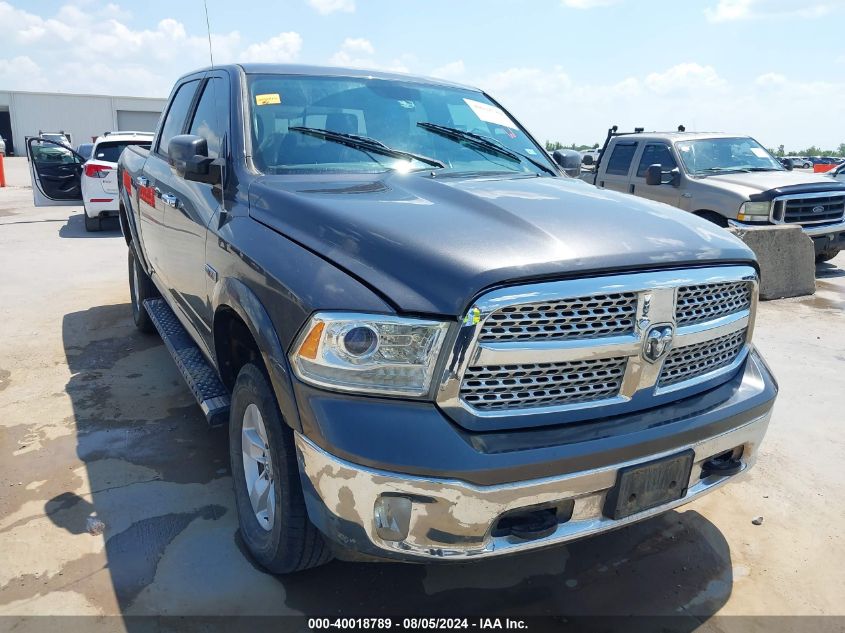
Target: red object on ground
[[2, 173], [820, 168]]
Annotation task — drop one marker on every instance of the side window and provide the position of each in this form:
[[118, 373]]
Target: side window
[[211, 120], [620, 159], [656, 154], [176, 114]]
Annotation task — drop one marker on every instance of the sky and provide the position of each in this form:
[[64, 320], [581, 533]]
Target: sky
[[567, 69]]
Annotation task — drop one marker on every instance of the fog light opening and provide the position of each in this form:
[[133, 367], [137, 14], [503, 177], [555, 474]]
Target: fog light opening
[[392, 515]]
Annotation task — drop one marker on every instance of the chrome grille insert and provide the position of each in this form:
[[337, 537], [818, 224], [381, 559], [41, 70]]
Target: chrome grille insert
[[528, 353], [809, 208], [578, 318], [706, 302], [690, 361], [542, 384]]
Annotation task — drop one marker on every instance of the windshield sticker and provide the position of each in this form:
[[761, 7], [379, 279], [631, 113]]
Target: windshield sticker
[[268, 99], [759, 152], [490, 113], [530, 151]]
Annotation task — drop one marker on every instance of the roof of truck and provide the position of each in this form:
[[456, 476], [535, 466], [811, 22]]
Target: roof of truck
[[334, 71], [680, 136]]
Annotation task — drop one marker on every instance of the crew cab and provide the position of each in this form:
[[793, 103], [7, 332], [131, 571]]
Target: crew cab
[[727, 179], [427, 342]]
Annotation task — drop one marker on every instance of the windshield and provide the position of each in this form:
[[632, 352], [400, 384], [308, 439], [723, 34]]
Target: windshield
[[385, 111], [714, 155], [111, 150]]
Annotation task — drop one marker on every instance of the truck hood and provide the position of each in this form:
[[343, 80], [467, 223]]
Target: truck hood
[[772, 183], [430, 245]]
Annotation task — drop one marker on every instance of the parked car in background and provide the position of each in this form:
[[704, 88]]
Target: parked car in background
[[726, 179], [801, 163], [84, 150], [63, 138], [2, 146], [99, 175], [427, 343]]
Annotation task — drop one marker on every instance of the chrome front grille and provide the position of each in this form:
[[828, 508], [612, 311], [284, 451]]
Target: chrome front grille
[[706, 302], [817, 208], [570, 346], [690, 361], [580, 317], [542, 384]]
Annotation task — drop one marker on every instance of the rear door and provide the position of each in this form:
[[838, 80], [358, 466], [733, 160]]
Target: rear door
[[190, 207], [656, 153], [56, 172], [616, 166]]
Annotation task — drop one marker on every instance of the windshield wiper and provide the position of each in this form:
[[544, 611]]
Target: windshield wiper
[[483, 143], [764, 169], [365, 143]]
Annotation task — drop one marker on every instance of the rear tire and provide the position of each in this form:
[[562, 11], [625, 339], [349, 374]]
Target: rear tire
[[141, 288], [91, 224], [275, 527]]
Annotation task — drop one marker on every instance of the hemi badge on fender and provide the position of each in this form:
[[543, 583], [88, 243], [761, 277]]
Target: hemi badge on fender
[[211, 272]]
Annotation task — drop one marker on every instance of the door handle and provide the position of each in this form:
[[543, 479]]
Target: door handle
[[142, 182], [170, 200], [632, 189]]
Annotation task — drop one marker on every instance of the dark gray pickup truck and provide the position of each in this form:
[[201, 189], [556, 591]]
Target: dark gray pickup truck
[[427, 342]]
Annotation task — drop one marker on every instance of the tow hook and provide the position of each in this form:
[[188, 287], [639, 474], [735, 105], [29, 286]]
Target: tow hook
[[723, 465]]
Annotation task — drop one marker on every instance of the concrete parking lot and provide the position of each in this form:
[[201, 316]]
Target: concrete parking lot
[[116, 499]]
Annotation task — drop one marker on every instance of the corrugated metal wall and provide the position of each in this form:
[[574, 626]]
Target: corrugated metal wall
[[83, 116]]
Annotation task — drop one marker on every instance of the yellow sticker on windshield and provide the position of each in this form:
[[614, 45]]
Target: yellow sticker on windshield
[[268, 99]]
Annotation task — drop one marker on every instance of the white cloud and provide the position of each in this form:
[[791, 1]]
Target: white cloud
[[284, 47], [330, 6], [686, 78], [358, 45], [734, 10], [555, 106], [65, 48], [359, 53], [588, 4], [452, 70]]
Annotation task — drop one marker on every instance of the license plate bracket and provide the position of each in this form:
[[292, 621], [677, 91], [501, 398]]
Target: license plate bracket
[[645, 486]]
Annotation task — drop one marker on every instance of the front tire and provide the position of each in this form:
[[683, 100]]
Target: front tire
[[141, 288], [91, 224], [826, 257], [268, 493]]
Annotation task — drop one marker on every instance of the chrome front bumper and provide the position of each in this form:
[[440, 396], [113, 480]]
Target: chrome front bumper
[[824, 229], [453, 520]]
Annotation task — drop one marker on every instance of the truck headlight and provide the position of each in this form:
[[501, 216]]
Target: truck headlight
[[754, 212], [368, 353]]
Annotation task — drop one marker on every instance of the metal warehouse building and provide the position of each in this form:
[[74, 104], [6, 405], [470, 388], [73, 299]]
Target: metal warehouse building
[[84, 117]]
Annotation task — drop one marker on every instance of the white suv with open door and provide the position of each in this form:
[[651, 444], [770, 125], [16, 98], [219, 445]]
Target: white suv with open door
[[99, 175], [60, 176]]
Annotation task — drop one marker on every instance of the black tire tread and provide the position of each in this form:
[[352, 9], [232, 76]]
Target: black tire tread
[[147, 290], [301, 545], [92, 224]]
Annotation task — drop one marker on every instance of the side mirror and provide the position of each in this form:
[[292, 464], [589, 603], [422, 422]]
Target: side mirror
[[676, 177], [588, 159], [188, 155], [569, 160], [786, 163], [654, 175]]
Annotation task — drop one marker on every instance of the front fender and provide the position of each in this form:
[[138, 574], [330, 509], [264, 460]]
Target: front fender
[[236, 295]]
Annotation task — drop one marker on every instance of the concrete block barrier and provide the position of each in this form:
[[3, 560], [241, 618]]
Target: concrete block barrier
[[787, 259]]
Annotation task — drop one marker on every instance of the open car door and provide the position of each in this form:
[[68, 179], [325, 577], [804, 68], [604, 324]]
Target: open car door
[[56, 172]]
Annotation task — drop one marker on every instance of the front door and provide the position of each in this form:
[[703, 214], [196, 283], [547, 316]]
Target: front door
[[56, 173], [189, 207], [656, 154]]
